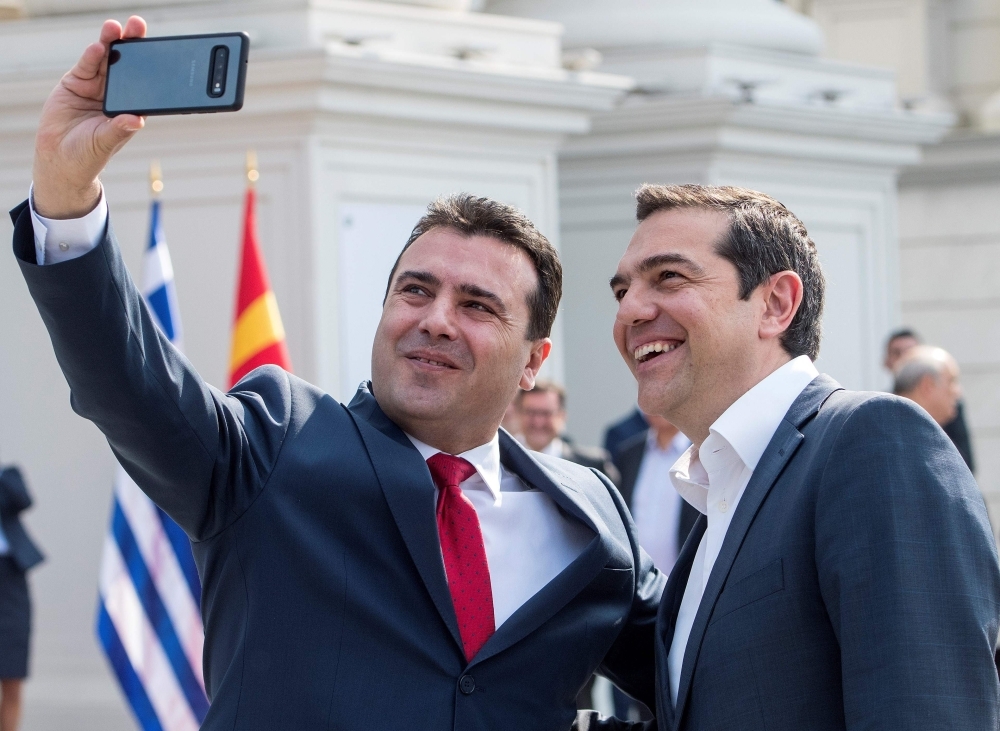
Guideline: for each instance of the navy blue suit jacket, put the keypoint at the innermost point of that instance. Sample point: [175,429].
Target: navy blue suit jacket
[857,587]
[14,500]
[325,600]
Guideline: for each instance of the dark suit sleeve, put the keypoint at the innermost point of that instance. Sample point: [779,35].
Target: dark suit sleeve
[14,495]
[200,454]
[909,575]
[631,663]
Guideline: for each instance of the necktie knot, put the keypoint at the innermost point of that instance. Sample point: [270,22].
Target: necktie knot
[449,471]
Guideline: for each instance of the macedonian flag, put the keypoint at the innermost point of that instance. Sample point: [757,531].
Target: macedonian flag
[258,336]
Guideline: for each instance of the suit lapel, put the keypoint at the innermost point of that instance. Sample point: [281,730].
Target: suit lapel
[409,491]
[574,578]
[783,445]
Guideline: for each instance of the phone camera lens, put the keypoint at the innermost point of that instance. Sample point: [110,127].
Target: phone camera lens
[217,76]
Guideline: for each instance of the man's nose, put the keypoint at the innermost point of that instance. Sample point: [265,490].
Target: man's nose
[635,307]
[439,319]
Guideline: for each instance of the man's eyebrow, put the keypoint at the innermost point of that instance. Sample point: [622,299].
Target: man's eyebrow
[659,260]
[425,277]
[474,290]
[655,262]
[618,280]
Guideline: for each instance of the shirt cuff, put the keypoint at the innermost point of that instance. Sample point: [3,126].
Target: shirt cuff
[58,240]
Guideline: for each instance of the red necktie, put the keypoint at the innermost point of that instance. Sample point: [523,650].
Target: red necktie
[464,553]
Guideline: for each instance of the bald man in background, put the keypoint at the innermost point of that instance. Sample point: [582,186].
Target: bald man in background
[928,376]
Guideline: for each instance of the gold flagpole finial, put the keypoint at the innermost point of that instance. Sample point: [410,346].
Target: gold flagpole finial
[155,178]
[252,173]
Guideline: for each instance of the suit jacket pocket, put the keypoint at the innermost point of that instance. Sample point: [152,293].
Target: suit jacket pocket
[758,585]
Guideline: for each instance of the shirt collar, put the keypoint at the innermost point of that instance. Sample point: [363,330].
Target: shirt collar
[485,458]
[750,423]
[746,428]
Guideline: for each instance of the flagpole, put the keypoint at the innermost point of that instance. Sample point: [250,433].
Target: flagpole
[155,178]
[253,175]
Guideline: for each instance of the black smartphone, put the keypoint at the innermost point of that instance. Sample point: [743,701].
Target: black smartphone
[177,74]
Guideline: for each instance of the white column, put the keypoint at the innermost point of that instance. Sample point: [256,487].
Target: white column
[731,92]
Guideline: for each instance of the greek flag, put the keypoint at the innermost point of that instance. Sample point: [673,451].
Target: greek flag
[148,618]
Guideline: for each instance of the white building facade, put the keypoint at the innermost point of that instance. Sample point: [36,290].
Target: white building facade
[361,112]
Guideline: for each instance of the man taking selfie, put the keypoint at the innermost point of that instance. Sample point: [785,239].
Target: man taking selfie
[396,563]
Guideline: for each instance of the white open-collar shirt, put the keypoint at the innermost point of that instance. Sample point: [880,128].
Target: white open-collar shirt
[713,477]
[529,540]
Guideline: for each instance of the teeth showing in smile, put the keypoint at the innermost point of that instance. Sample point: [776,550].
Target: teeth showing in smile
[433,362]
[647,351]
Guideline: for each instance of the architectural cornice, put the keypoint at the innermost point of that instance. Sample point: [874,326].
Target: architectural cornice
[963,157]
[648,126]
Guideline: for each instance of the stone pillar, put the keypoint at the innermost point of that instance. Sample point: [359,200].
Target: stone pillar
[730,92]
[361,112]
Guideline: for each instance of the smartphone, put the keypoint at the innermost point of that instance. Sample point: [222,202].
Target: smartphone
[177,74]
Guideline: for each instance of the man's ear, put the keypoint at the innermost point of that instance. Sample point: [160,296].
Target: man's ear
[540,350]
[782,296]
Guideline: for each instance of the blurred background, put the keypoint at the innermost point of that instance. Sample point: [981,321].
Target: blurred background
[876,121]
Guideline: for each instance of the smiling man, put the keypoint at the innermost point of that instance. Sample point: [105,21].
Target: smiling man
[843,574]
[396,563]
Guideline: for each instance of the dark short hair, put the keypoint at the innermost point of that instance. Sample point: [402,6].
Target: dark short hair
[473,216]
[543,386]
[903,332]
[764,238]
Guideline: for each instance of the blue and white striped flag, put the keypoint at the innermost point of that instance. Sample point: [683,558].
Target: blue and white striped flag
[148,618]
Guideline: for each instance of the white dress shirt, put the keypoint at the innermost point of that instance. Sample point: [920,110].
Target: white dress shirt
[529,541]
[714,477]
[656,506]
[58,240]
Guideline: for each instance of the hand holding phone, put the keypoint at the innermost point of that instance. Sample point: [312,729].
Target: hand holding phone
[177,74]
[75,140]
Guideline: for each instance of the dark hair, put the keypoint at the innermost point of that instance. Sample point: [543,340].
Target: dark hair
[543,386]
[764,238]
[474,216]
[903,332]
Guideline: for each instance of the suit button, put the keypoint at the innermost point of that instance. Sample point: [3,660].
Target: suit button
[467,684]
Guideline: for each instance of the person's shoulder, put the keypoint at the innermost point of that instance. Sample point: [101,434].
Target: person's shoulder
[279,395]
[875,410]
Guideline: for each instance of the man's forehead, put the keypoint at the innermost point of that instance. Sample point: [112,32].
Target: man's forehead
[458,250]
[684,236]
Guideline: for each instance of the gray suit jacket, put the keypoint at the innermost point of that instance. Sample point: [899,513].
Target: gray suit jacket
[858,586]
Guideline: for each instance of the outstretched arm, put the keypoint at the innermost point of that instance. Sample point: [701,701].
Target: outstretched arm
[198,453]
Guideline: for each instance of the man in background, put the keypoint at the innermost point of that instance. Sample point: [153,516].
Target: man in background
[621,431]
[900,343]
[542,416]
[18,554]
[928,376]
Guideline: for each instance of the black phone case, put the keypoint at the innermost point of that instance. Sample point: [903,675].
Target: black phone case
[159,76]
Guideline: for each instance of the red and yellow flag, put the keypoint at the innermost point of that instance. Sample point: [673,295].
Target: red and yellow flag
[258,335]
